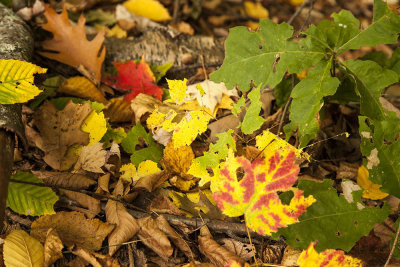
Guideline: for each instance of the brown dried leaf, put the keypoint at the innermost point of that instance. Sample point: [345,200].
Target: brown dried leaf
[177,160]
[73,47]
[81,87]
[152,181]
[52,248]
[103,183]
[65,179]
[73,228]
[217,254]
[92,158]
[164,226]
[95,259]
[154,238]
[118,110]
[144,103]
[127,226]
[59,130]
[92,204]
[243,250]
[164,205]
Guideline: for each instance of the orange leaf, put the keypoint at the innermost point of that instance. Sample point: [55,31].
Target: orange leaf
[72,45]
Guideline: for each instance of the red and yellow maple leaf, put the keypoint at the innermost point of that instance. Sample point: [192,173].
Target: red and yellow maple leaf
[255,195]
[327,258]
[72,46]
[136,77]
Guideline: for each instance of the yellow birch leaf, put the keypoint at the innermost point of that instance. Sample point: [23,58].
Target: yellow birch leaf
[151,9]
[327,258]
[371,190]
[20,249]
[16,81]
[145,168]
[96,126]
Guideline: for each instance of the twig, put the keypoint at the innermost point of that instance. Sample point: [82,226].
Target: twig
[393,247]
[312,2]
[177,4]
[298,11]
[285,109]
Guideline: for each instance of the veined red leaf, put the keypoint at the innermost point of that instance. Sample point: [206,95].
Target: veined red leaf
[255,195]
[136,77]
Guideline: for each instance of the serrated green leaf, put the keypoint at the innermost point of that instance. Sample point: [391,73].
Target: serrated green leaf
[383,30]
[213,156]
[380,146]
[252,121]
[308,98]
[20,249]
[334,222]
[394,61]
[237,108]
[153,151]
[263,56]
[16,81]
[370,79]
[29,199]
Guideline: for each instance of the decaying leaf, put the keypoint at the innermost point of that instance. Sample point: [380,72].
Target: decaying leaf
[92,204]
[73,228]
[329,258]
[126,225]
[81,87]
[255,195]
[95,259]
[66,179]
[52,248]
[71,45]
[154,238]
[217,254]
[21,249]
[119,110]
[59,130]
[177,160]
[92,158]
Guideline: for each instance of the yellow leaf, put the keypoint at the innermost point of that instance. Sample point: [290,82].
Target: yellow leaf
[255,10]
[145,168]
[151,9]
[16,81]
[81,87]
[117,32]
[177,160]
[20,249]
[193,124]
[96,126]
[177,91]
[296,2]
[371,190]
[327,258]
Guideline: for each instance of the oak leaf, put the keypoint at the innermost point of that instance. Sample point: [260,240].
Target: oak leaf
[72,45]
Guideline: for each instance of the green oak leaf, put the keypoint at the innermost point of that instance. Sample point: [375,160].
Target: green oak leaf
[332,220]
[307,100]
[153,151]
[30,199]
[370,79]
[380,147]
[252,121]
[263,57]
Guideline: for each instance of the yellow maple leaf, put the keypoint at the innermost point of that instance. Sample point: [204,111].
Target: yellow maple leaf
[327,258]
[96,126]
[371,190]
[145,168]
[193,124]
[177,91]
[151,9]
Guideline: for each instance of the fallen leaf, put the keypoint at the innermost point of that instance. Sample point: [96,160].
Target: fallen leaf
[95,259]
[73,228]
[65,179]
[255,10]
[177,160]
[143,104]
[126,225]
[217,254]
[119,110]
[135,77]
[371,190]
[116,32]
[154,238]
[83,88]
[72,45]
[184,27]
[20,249]
[151,9]
[92,204]
[242,250]
[164,205]
[145,168]
[151,182]
[329,258]
[96,126]
[103,182]
[92,158]
[52,248]
[59,130]
[27,13]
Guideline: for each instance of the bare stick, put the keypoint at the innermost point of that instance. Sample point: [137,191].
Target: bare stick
[298,11]
[393,247]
